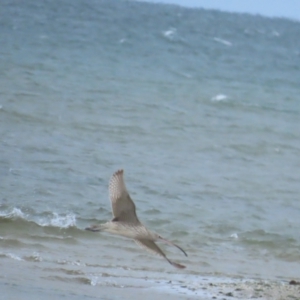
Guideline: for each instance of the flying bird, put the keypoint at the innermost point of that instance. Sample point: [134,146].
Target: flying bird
[126,223]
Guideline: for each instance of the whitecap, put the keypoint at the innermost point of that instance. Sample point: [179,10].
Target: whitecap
[94,280]
[170,33]
[224,42]
[219,97]
[13,256]
[61,221]
[15,213]
[35,256]
[275,33]
[234,236]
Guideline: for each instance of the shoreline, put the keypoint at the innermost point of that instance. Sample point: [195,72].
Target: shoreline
[22,281]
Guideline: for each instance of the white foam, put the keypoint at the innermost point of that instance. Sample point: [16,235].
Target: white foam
[224,42]
[61,221]
[275,33]
[170,33]
[13,256]
[36,256]
[94,280]
[15,212]
[219,97]
[234,236]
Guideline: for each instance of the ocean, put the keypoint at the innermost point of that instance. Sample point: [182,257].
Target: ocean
[199,107]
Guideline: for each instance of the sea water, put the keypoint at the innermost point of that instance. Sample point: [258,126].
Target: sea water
[199,107]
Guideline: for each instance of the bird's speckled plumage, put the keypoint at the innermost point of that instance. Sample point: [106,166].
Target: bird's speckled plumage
[125,221]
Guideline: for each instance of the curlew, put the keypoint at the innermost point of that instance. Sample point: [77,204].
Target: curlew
[126,223]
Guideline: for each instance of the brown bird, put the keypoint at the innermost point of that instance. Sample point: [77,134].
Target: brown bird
[126,223]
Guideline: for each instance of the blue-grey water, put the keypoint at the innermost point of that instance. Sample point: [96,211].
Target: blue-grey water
[202,110]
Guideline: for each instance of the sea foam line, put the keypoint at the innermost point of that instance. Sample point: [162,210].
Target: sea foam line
[219,97]
[65,221]
[15,213]
[53,219]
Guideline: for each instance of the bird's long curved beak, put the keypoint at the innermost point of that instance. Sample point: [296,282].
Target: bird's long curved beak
[94,228]
[170,243]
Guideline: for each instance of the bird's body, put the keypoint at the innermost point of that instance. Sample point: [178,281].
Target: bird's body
[127,229]
[126,223]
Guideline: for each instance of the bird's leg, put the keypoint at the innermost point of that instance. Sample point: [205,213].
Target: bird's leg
[170,243]
[176,265]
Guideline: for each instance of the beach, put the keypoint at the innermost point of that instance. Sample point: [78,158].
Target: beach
[109,286]
[201,110]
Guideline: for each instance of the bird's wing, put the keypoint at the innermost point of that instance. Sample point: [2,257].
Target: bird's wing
[123,207]
[150,246]
[154,249]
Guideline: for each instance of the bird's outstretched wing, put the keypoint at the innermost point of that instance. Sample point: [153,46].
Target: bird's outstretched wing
[123,207]
[154,249]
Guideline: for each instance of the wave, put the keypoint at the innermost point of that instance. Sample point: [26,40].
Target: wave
[15,213]
[170,33]
[61,221]
[221,41]
[11,255]
[51,219]
[219,98]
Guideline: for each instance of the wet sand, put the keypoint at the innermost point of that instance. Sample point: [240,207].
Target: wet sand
[19,280]
[247,289]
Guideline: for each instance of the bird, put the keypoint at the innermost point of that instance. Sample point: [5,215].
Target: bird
[126,223]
